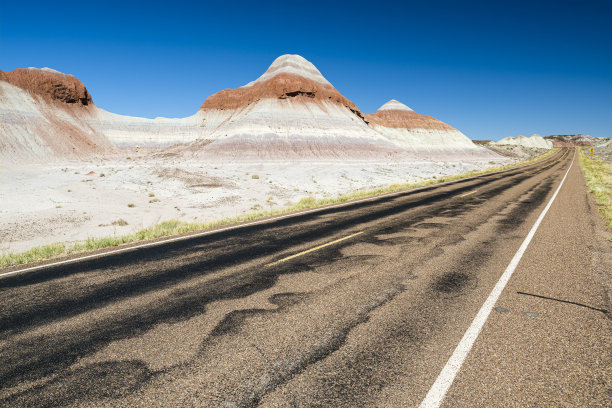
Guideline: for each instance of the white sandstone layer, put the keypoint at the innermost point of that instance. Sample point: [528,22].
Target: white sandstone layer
[125,131]
[432,141]
[290,128]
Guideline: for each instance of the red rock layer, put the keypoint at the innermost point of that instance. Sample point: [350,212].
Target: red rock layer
[405,119]
[51,86]
[281,86]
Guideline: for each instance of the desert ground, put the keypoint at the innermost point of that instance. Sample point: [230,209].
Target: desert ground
[74,200]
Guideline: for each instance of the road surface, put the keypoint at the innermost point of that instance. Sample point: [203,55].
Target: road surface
[359,305]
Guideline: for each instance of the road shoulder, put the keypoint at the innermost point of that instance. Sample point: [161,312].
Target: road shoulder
[547,342]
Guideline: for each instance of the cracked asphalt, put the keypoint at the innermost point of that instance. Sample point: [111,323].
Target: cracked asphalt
[256,317]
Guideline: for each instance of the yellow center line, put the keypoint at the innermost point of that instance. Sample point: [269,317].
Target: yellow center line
[313,249]
[467,194]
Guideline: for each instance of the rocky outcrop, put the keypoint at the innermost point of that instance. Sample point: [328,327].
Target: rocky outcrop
[49,84]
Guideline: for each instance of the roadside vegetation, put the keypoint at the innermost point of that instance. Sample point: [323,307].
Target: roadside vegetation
[177,227]
[598,175]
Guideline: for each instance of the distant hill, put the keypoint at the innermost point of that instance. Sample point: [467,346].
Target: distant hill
[534,141]
[572,140]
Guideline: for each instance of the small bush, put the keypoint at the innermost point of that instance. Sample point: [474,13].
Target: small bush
[101,174]
[155,200]
[151,195]
[120,222]
[306,202]
[131,205]
[255,176]
[58,206]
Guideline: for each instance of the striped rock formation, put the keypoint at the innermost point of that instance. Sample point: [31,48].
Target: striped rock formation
[421,134]
[291,111]
[44,116]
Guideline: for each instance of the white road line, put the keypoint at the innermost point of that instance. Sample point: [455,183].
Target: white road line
[199,234]
[438,390]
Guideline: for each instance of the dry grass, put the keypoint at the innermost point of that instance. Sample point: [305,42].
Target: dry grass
[598,175]
[176,227]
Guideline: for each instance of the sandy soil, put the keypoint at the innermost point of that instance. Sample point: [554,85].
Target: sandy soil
[46,203]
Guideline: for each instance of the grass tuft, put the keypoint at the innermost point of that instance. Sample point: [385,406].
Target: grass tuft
[176,227]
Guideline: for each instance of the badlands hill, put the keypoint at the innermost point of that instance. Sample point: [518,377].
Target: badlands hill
[289,112]
[44,115]
[420,133]
[534,141]
[571,140]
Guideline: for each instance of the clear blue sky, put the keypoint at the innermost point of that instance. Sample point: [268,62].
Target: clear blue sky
[492,69]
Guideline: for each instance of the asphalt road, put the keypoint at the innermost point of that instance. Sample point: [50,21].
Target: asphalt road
[360,305]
